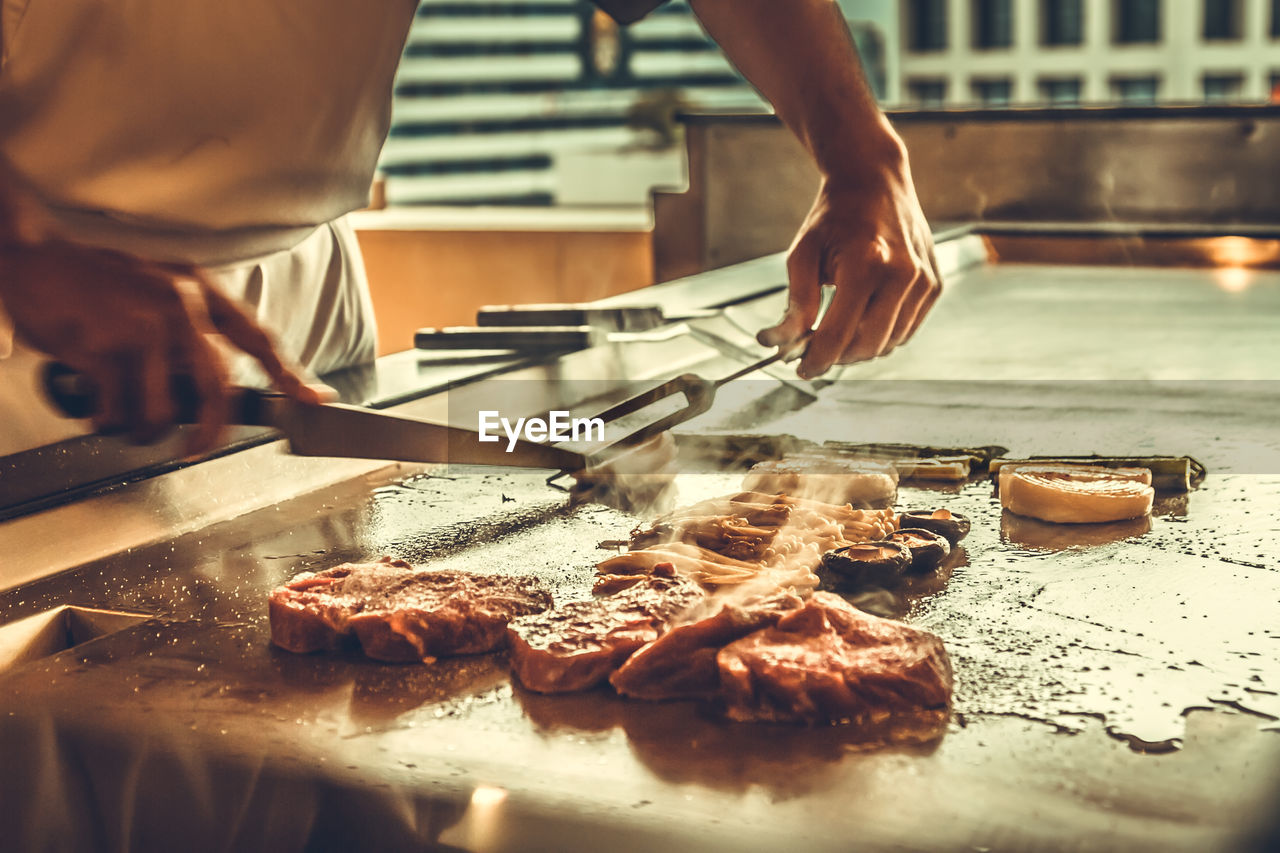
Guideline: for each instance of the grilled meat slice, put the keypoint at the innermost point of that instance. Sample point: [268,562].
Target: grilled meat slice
[681,664]
[400,613]
[830,662]
[577,646]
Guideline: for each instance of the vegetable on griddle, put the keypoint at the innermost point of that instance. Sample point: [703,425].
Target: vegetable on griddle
[928,549]
[868,563]
[1168,473]
[1076,494]
[952,526]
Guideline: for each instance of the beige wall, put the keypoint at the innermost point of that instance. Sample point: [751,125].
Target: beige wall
[433,277]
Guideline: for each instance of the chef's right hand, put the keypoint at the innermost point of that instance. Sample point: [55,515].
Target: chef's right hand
[129,325]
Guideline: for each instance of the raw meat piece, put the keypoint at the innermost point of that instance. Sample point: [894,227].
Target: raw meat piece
[681,664]
[577,646]
[399,613]
[829,662]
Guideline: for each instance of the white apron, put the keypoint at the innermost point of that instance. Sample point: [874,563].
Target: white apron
[234,134]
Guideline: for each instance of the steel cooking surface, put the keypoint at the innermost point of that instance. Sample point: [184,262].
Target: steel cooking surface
[1095,639]
[1121,689]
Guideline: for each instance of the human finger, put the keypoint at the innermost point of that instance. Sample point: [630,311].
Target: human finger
[930,298]
[854,283]
[196,357]
[804,292]
[916,298]
[245,333]
[208,374]
[107,375]
[155,399]
[873,334]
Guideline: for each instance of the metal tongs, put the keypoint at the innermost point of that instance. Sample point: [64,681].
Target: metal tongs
[699,394]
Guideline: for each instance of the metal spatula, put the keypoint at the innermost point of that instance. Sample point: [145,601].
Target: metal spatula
[333,429]
[337,430]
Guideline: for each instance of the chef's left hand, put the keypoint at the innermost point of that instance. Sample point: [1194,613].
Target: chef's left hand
[867,236]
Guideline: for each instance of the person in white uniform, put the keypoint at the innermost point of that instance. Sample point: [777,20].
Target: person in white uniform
[174,176]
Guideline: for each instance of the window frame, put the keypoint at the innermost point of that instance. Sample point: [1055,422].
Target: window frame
[915,28]
[1119,18]
[978,81]
[981,14]
[1117,81]
[1235,23]
[1236,77]
[943,84]
[1047,19]
[1043,84]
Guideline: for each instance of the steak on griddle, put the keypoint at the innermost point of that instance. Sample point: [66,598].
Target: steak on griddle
[576,646]
[830,662]
[400,613]
[681,664]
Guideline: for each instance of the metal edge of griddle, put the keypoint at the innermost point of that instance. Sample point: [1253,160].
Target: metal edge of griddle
[958,247]
[1145,230]
[1012,114]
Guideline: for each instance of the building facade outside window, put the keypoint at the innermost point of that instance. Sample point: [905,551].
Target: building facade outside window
[993,92]
[928,93]
[1219,88]
[1137,21]
[1140,90]
[992,24]
[1061,91]
[1222,20]
[927,24]
[1062,22]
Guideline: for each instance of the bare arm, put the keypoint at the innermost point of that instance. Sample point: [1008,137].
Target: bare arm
[865,233]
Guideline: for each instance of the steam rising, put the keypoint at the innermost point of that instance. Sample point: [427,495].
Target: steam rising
[756,543]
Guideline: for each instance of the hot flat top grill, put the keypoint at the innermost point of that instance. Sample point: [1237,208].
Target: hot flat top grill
[1056,644]
[1115,690]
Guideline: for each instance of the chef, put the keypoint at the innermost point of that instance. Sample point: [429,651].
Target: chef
[175,176]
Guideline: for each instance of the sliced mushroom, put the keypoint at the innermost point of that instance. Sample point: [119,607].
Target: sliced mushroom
[950,525]
[867,563]
[928,549]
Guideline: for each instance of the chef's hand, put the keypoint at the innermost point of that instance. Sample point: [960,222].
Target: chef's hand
[867,236]
[129,325]
[865,233]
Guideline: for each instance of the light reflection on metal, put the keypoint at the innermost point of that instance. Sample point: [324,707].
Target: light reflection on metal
[1242,252]
[1234,279]
[481,826]
[487,798]
[1235,258]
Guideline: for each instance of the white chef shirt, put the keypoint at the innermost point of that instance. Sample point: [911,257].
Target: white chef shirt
[234,134]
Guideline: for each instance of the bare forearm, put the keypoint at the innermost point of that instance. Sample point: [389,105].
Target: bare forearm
[866,234]
[801,58]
